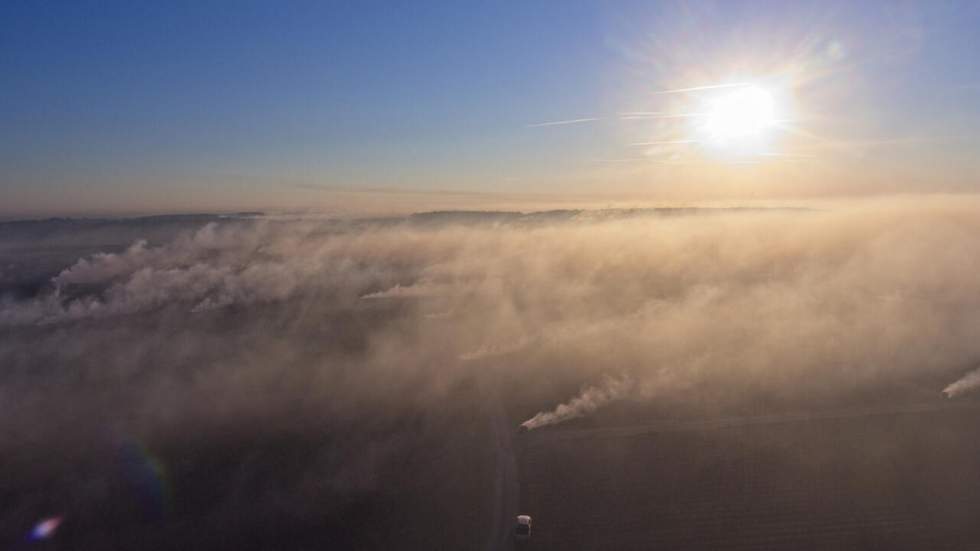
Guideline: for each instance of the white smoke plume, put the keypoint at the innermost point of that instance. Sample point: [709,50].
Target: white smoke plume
[590,399]
[968,383]
[495,350]
[420,290]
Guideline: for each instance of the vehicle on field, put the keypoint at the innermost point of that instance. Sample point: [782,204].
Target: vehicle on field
[522,530]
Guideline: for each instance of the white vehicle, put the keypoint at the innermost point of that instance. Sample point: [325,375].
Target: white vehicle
[522,530]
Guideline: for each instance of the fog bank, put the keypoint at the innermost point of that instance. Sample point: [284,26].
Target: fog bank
[362,338]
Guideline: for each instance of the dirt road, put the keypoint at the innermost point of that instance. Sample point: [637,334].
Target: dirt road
[506,484]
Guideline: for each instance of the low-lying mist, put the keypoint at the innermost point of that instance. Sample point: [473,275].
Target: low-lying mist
[269,325]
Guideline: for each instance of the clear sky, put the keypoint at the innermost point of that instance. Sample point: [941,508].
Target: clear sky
[128,106]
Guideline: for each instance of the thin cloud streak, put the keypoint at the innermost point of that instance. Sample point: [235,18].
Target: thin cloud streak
[665,142]
[644,116]
[561,123]
[700,88]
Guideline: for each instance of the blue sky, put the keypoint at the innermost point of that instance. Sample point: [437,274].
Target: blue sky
[211,105]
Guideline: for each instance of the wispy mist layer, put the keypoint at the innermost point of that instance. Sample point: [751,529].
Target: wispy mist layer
[311,362]
[629,303]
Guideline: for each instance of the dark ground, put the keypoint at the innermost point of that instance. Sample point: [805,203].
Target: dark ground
[887,477]
[420,483]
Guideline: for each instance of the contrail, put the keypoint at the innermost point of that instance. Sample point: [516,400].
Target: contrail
[667,142]
[699,88]
[561,123]
[640,115]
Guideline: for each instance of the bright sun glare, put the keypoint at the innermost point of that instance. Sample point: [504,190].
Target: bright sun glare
[739,118]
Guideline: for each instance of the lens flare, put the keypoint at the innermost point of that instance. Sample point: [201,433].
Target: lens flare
[45,528]
[148,475]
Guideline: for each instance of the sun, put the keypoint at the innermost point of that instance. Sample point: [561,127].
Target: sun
[739,119]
